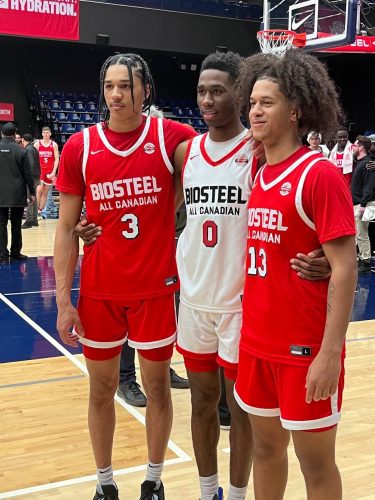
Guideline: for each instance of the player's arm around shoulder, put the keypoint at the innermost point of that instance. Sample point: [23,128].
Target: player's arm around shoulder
[65,261]
[324,371]
[178,164]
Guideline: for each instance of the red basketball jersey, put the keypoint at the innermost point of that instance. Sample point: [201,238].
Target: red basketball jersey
[131,195]
[294,207]
[46,156]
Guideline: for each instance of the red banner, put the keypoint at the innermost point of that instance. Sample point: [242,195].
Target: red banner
[6,112]
[362,45]
[40,18]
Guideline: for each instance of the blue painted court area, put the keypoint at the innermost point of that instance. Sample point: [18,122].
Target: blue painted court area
[30,289]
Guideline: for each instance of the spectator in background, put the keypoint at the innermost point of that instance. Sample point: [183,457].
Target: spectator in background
[33,157]
[15,176]
[342,154]
[18,139]
[49,161]
[314,139]
[363,193]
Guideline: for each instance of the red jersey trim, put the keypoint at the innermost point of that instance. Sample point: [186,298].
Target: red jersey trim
[221,160]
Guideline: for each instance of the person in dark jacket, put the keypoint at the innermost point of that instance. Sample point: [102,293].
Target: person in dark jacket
[363,194]
[15,176]
[33,156]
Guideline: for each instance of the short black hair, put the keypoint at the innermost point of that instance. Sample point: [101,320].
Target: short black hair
[229,62]
[134,62]
[27,137]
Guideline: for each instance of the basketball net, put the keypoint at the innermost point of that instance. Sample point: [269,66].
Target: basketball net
[279,41]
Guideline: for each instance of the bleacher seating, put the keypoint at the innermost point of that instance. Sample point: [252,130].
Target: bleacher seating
[70,112]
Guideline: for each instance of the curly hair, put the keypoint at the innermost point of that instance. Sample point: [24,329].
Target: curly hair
[134,63]
[364,141]
[229,62]
[304,81]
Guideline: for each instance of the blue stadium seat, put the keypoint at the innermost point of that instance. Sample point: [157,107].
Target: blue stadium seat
[79,107]
[54,105]
[79,127]
[67,128]
[74,117]
[187,112]
[86,118]
[61,117]
[66,106]
[91,107]
[177,111]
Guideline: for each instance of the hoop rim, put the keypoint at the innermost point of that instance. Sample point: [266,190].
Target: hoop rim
[298,40]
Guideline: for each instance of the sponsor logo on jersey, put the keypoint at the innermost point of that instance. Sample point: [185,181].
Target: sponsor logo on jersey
[149,148]
[242,159]
[96,152]
[4,4]
[124,188]
[285,188]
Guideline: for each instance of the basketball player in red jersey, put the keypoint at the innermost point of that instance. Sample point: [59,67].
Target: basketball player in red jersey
[49,161]
[291,371]
[123,169]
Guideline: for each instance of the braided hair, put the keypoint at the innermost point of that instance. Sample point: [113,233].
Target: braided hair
[134,63]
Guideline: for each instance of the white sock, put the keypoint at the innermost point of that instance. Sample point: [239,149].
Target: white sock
[209,486]
[237,493]
[105,476]
[154,473]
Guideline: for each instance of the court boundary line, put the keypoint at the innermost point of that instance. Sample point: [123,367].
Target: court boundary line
[182,456]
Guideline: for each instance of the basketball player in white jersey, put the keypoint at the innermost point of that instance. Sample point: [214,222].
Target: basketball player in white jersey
[49,161]
[217,170]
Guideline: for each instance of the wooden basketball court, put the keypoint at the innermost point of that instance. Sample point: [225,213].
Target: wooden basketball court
[45,450]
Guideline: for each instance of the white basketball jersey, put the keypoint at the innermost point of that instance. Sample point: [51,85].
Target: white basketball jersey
[211,251]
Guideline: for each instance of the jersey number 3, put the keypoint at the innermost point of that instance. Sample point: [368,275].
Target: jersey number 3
[257,263]
[133,228]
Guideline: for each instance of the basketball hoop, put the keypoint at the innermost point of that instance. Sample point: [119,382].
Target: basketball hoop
[279,41]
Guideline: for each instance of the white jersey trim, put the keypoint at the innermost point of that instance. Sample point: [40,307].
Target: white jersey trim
[162,146]
[100,345]
[298,199]
[260,412]
[286,172]
[153,345]
[130,150]
[86,146]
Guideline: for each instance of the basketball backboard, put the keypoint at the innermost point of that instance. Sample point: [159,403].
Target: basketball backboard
[326,23]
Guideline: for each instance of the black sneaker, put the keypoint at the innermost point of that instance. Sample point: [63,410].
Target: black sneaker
[19,257]
[224,422]
[178,382]
[219,495]
[131,393]
[148,491]
[364,266]
[110,492]
[27,225]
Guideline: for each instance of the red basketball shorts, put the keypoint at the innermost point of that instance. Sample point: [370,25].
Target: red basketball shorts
[268,389]
[148,325]
[43,177]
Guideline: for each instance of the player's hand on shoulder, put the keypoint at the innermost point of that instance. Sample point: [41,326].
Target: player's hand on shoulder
[370,165]
[87,232]
[313,266]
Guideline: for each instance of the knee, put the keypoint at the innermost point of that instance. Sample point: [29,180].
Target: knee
[158,392]
[102,390]
[204,402]
[314,469]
